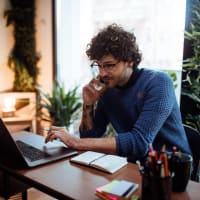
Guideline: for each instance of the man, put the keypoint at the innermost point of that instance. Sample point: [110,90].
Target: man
[139,103]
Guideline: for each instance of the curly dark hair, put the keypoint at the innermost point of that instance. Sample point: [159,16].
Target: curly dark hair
[116,41]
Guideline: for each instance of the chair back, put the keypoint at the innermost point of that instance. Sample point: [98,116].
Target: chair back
[193,137]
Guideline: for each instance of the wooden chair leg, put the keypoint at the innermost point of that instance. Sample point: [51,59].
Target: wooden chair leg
[198,173]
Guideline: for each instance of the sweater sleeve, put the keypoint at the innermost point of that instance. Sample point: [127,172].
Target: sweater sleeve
[159,99]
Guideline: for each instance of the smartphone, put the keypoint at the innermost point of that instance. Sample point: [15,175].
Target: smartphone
[99,83]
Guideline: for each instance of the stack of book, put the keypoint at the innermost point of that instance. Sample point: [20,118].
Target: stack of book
[117,190]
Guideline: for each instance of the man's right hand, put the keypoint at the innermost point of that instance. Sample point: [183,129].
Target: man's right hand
[92,91]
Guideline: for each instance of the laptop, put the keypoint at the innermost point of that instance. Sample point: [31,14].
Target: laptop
[29,149]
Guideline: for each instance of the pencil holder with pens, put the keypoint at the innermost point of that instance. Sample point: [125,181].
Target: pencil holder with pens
[164,172]
[156,188]
[156,176]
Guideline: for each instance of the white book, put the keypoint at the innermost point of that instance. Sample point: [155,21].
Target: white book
[101,161]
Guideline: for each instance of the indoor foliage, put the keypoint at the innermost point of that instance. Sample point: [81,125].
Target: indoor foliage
[23,57]
[191,73]
[60,108]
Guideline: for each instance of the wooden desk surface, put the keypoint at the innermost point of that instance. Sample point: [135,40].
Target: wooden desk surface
[66,180]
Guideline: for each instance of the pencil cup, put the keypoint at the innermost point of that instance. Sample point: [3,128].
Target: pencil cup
[156,188]
[181,165]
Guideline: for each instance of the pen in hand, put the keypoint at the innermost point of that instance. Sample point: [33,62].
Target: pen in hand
[51,131]
[48,130]
[141,168]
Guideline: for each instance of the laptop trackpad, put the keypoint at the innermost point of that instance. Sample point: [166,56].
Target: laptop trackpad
[54,149]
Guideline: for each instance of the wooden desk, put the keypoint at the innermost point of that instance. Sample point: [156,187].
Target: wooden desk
[66,181]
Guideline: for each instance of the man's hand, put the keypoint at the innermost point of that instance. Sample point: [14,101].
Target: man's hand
[61,133]
[106,145]
[92,91]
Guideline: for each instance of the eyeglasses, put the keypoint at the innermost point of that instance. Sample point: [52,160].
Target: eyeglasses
[107,66]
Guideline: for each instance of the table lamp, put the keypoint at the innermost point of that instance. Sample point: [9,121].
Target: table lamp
[8,109]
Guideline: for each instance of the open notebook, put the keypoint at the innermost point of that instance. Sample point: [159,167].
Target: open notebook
[101,161]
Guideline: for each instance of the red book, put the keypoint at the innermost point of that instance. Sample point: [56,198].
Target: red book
[104,196]
[117,190]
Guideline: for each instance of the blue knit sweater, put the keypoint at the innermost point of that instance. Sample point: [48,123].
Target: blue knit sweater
[143,112]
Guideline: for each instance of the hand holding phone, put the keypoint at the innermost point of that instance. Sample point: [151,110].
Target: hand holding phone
[97,83]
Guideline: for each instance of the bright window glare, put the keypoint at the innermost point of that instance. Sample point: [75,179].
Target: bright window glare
[157,24]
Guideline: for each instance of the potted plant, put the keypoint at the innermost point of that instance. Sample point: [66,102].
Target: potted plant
[59,108]
[190,95]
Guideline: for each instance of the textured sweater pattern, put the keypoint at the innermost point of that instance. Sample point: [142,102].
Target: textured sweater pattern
[142,113]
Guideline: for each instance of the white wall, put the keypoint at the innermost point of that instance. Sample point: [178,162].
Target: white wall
[43,43]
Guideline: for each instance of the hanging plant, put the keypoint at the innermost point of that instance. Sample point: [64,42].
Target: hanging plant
[23,57]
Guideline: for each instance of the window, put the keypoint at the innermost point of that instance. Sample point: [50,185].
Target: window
[158,26]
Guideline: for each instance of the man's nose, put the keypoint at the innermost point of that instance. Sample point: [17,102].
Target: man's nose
[102,71]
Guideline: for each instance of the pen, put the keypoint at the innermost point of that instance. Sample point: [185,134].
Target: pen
[141,168]
[165,161]
[173,156]
[162,171]
[49,129]
[46,129]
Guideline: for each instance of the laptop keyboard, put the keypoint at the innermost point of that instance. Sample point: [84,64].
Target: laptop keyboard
[31,152]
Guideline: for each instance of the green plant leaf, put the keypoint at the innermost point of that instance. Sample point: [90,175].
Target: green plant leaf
[191,68]
[62,107]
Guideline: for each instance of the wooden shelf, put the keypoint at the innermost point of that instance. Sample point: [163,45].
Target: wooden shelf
[25,116]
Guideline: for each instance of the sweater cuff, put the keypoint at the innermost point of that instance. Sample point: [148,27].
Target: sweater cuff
[123,146]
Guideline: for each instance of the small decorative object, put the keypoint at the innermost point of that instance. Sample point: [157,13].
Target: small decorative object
[9,107]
